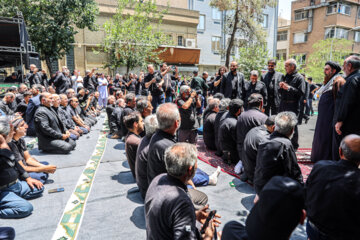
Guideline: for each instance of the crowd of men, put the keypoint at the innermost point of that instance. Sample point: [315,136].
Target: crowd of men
[251,124]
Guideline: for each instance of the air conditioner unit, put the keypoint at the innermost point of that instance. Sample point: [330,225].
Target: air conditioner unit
[190,43]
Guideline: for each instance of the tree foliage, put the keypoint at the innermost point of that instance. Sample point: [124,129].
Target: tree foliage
[325,50]
[52,24]
[253,57]
[133,35]
[243,19]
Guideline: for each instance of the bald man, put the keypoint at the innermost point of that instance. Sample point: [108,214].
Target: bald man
[333,194]
[233,83]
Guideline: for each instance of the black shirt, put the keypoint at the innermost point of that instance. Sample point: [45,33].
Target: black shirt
[209,130]
[332,199]
[141,165]
[154,88]
[10,169]
[312,88]
[159,142]
[188,116]
[18,148]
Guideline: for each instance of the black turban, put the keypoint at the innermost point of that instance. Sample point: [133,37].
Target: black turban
[334,65]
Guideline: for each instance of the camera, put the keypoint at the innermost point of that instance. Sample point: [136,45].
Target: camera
[173,68]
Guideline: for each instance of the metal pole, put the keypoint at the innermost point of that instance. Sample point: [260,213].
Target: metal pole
[21,60]
[276,17]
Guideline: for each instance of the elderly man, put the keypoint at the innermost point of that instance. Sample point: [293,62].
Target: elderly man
[332,194]
[5,103]
[51,132]
[75,116]
[292,89]
[227,132]
[255,86]
[168,117]
[233,83]
[188,102]
[135,125]
[15,183]
[20,96]
[168,208]
[347,119]
[209,123]
[249,119]
[272,80]
[150,125]
[276,157]
[253,139]
[144,107]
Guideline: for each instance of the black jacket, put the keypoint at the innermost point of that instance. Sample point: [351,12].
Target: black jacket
[127,111]
[141,165]
[290,99]
[332,197]
[276,157]
[220,116]
[10,169]
[62,83]
[349,104]
[48,126]
[231,87]
[65,117]
[227,136]
[272,81]
[115,120]
[258,87]
[209,130]
[169,212]
[159,142]
[5,108]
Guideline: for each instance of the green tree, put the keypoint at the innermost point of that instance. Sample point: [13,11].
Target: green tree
[253,57]
[133,35]
[325,50]
[52,24]
[243,18]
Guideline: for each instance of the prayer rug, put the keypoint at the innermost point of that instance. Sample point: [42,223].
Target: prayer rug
[209,157]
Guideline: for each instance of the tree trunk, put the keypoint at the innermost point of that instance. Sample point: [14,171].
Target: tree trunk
[48,64]
[232,36]
[127,69]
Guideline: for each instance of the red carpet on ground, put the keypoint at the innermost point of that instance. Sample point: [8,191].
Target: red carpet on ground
[209,157]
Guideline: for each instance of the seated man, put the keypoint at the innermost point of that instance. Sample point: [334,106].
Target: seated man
[168,208]
[227,132]
[253,139]
[249,119]
[150,125]
[110,106]
[5,103]
[144,107]
[69,123]
[209,121]
[22,106]
[220,116]
[115,119]
[33,105]
[333,193]
[276,157]
[134,123]
[72,111]
[20,95]
[50,130]
[15,183]
[130,101]
[275,216]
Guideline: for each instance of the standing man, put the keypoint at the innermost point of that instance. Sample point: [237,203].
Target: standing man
[291,90]
[154,82]
[347,121]
[169,87]
[309,111]
[233,83]
[255,86]
[272,80]
[303,102]
[62,81]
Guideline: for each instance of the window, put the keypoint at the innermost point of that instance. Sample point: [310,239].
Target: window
[215,44]
[300,15]
[300,37]
[216,14]
[281,54]
[357,37]
[265,21]
[339,8]
[201,25]
[180,41]
[300,58]
[282,36]
[336,32]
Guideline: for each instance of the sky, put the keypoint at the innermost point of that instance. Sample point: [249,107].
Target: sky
[285,8]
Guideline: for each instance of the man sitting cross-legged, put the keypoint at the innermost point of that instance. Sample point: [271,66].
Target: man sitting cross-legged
[73,112]
[51,132]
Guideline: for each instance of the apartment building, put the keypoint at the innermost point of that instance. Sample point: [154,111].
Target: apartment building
[314,20]
[179,23]
[283,35]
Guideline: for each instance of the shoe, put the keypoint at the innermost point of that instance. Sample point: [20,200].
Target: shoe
[244,177]
[306,120]
[213,178]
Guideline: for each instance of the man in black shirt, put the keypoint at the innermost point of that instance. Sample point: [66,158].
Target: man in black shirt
[312,89]
[115,119]
[255,86]
[291,90]
[90,81]
[333,194]
[169,87]
[154,83]
[130,101]
[22,106]
[63,81]
[220,116]
[233,83]
[15,183]
[272,80]
[187,103]
[209,121]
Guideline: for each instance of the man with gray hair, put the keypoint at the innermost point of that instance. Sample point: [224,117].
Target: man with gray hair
[130,101]
[255,86]
[347,119]
[209,123]
[276,156]
[168,208]
[144,106]
[291,90]
[5,103]
[150,125]
[333,194]
[63,81]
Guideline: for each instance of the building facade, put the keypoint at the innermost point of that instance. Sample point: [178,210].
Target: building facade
[314,20]
[179,23]
[283,34]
